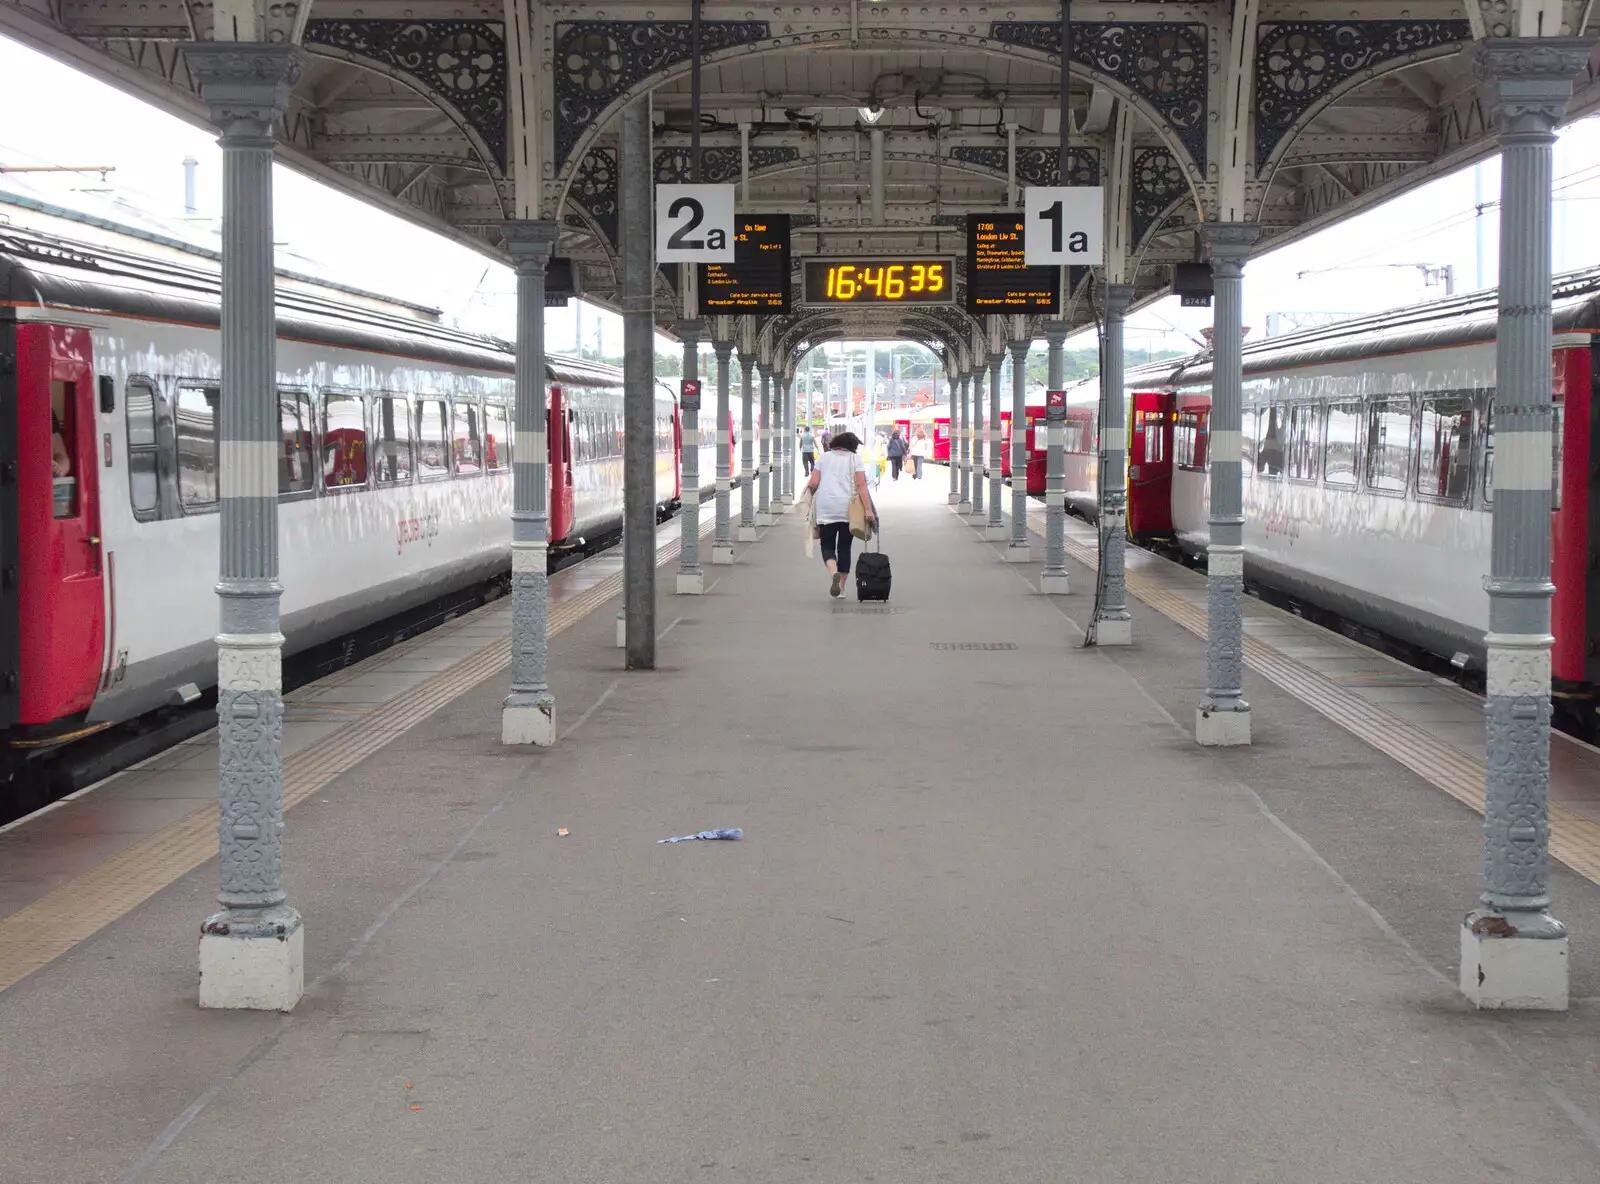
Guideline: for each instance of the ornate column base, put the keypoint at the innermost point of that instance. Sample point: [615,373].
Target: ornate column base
[963,506]
[1018,552]
[1221,729]
[529,719]
[747,534]
[763,518]
[691,583]
[1503,970]
[253,960]
[1055,583]
[954,499]
[721,554]
[996,532]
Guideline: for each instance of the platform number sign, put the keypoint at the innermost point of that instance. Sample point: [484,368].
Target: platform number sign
[1064,225]
[1055,406]
[694,223]
[689,395]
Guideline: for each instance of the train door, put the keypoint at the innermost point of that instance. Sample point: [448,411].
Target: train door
[1150,464]
[61,597]
[559,443]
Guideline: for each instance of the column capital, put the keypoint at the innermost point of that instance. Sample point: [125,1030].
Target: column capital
[529,242]
[1117,298]
[245,85]
[1057,332]
[997,359]
[689,330]
[723,350]
[1527,81]
[1229,240]
[1019,351]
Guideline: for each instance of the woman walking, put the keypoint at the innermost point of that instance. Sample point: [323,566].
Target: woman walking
[838,477]
[921,450]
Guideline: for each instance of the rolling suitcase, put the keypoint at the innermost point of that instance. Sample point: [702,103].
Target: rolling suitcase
[872,571]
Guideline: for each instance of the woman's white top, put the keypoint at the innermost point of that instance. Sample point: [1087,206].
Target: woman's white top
[921,447]
[837,479]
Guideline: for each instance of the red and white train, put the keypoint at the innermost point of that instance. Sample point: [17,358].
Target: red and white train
[1368,451]
[394,470]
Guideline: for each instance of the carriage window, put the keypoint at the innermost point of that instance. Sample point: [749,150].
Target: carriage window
[1190,440]
[1444,457]
[1305,441]
[468,444]
[1151,424]
[1389,445]
[433,448]
[391,423]
[1270,429]
[139,407]
[64,447]
[1555,456]
[1073,437]
[295,471]
[197,447]
[344,442]
[496,439]
[1344,444]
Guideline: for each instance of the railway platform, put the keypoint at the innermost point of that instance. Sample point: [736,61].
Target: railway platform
[993,917]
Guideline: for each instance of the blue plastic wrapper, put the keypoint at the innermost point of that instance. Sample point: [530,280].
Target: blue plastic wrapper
[735,833]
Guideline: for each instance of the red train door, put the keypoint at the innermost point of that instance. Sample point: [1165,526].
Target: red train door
[61,599]
[1150,464]
[558,427]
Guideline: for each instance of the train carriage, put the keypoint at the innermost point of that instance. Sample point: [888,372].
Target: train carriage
[1368,453]
[394,469]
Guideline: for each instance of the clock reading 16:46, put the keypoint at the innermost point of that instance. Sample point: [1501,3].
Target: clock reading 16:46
[878,280]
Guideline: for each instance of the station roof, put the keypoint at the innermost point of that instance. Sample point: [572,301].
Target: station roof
[406,105]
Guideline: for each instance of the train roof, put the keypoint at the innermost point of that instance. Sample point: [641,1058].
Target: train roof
[1453,321]
[41,269]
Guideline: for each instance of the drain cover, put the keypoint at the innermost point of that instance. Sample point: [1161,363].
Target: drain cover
[973,645]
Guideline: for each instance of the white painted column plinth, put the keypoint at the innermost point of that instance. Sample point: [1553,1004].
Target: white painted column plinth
[1514,973]
[1212,729]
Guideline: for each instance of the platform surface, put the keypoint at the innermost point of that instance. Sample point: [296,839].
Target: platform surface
[995,918]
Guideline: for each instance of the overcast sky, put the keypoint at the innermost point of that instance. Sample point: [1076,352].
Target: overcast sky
[1342,270]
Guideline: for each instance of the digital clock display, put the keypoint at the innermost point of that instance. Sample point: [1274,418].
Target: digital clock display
[873,280]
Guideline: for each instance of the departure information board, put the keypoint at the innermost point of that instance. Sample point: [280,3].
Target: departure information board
[756,283]
[880,279]
[998,281]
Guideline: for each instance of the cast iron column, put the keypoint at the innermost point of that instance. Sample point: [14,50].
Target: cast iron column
[638,387]
[722,539]
[954,380]
[252,952]
[764,468]
[975,445]
[1054,579]
[691,576]
[747,450]
[1223,716]
[1112,623]
[995,530]
[1018,550]
[960,443]
[1513,952]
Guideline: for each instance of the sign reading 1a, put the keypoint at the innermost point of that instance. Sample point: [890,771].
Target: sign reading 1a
[1065,225]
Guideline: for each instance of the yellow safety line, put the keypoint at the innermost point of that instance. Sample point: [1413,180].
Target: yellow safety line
[38,933]
[1574,839]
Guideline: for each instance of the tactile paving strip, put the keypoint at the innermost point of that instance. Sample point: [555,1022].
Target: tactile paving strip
[40,932]
[1574,840]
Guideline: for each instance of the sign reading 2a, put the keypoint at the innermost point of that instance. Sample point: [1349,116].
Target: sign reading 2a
[1064,226]
[694,223]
